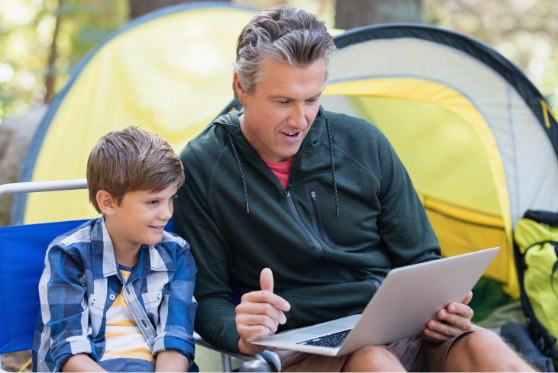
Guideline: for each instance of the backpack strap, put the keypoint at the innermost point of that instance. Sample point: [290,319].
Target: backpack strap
[554,268]
[545,217]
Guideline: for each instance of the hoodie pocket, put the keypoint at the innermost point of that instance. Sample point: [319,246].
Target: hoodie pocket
[318,224]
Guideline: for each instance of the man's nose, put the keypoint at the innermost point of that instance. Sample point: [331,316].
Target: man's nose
[297,119]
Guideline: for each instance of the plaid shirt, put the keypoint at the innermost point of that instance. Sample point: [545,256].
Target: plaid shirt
[80,281]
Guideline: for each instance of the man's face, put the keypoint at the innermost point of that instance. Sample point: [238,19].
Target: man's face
[140,218]
[280,110]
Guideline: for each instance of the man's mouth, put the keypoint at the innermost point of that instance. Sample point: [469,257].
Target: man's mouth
[158,227]
[292,135]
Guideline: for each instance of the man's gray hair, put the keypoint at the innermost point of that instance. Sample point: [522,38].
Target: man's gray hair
[280,34]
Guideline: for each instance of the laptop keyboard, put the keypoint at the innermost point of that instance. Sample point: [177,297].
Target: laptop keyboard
[331,340]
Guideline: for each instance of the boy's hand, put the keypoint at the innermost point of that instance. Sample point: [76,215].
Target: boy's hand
[258,314]
[455,319]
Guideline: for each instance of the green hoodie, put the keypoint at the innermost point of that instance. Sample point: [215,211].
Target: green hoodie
[325,266]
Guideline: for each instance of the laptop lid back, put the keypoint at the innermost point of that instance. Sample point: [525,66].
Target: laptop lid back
[411,296]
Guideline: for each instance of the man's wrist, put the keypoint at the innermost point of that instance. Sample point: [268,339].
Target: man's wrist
[247,348]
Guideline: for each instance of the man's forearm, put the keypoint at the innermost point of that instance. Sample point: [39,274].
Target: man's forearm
[81,363]
[171,361]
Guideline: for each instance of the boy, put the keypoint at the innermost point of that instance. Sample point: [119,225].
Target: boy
[117,292]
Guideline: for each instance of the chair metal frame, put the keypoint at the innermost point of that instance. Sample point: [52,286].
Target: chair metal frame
[263,362]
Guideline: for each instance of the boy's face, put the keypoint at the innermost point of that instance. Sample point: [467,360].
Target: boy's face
[140,218]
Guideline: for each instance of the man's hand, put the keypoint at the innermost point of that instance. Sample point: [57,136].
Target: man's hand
[258,314]
[453,320]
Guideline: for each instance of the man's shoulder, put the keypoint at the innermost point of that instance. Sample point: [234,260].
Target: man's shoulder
[353,130]
[209,143]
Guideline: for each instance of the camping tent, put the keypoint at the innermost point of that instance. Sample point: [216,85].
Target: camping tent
[478,139]
[168,72]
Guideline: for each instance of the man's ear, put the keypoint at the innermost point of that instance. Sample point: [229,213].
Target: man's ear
[106,202]
[239,91]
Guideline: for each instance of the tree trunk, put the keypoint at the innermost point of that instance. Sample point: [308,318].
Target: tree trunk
[356,13]
[50,76]
[140,7]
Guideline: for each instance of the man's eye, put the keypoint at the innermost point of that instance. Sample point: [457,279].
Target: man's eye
[283,102]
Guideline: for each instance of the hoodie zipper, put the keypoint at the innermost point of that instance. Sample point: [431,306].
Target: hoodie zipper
[317,245]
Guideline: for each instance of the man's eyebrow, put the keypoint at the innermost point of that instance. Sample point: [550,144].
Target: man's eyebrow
[293,99]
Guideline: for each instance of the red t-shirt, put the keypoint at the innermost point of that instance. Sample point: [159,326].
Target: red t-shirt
[281,170]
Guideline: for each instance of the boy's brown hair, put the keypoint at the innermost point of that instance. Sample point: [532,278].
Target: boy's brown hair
[132,160]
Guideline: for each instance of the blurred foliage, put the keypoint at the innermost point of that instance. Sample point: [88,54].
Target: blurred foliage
[524,31]
[26,37]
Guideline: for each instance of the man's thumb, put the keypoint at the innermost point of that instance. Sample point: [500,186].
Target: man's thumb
[266,279]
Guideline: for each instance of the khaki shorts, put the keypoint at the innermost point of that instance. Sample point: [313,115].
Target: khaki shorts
[415,354]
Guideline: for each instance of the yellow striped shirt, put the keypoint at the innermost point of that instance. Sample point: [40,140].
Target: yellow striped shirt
[123,337]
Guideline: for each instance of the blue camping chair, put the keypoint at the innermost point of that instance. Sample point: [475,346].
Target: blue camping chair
[22,253]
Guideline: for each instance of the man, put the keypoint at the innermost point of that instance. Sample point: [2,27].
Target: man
[305,211]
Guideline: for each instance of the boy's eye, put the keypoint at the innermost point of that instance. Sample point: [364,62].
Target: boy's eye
[153,203]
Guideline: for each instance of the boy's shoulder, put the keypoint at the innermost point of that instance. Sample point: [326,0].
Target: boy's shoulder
[172,238]
[80,236]
[171,249]
[173,244]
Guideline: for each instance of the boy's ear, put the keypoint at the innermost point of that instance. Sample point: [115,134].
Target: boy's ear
[106,202]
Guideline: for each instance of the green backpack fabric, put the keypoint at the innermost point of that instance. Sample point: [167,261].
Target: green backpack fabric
[536,246]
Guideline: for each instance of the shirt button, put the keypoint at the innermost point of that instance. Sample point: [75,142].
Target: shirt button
[112,297]
[159,295]
[93,300]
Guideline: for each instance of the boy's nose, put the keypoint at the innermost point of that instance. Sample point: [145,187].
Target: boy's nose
[166,212]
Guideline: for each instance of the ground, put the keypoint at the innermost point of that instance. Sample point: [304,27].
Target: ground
[14,361]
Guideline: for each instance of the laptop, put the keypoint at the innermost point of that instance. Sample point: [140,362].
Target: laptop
[407,299]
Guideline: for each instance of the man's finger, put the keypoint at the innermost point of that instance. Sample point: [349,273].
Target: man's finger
[252,332]
[255,320]
[266,297]
[443,329]
[468,298]
[247,308]
[460,309]
[459,320]
[433,336]
[266,280]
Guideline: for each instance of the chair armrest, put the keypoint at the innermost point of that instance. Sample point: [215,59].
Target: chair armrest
[270,359]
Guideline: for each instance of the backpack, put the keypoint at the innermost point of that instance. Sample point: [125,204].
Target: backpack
[536,257]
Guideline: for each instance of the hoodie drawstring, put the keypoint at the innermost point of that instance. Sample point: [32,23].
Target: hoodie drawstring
[241,172]
[332,166]
[332,169]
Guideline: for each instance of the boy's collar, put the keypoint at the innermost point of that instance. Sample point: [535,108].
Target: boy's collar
[152,258]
